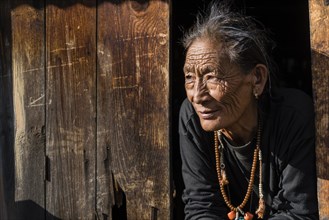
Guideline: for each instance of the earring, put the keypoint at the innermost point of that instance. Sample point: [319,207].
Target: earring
[256,95]
[255,92]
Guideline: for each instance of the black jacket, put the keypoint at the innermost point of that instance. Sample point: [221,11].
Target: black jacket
[289,174]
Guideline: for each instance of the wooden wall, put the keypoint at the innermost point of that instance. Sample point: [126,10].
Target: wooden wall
[84,109]
[319,29]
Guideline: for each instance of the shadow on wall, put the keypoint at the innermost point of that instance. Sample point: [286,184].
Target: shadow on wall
[6,115]
[3,211]
[29,210]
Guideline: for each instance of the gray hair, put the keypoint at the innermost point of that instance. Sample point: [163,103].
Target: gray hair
[240,37]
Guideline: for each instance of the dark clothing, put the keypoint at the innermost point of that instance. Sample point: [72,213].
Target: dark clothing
[289,175]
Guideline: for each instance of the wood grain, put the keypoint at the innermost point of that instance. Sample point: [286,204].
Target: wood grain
[66,96]
[29,107]
[71,113]
[319,29]
[133,76]
[105,187]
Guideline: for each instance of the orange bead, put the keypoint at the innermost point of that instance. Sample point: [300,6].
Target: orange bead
[248,216]
[231,215]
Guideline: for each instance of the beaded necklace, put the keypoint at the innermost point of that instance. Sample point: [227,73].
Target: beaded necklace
[222,178]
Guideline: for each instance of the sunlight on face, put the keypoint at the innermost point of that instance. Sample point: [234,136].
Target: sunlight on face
[220,92]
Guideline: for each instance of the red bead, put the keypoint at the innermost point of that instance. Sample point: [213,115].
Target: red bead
[231,215]
[248,216]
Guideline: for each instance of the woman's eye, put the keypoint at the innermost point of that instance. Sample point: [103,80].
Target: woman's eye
[189,78]
[212,78]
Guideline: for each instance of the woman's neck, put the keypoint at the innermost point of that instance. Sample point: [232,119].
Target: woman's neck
[244,130]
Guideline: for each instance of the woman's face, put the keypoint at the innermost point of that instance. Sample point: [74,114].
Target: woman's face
[221,94]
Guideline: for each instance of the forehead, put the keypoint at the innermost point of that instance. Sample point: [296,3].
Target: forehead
[202,51]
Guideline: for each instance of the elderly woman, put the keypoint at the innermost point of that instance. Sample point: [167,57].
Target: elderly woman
[247,149]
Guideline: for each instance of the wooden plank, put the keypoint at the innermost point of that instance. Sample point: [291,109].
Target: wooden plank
[71,113]
[133,60]
[319,29]
[105,187]
[27,26]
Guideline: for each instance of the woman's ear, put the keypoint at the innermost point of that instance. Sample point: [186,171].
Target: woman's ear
[260,75]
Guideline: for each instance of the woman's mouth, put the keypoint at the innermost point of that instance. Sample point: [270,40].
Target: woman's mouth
[207,114]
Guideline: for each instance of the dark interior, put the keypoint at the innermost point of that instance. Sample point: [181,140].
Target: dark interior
[288,25]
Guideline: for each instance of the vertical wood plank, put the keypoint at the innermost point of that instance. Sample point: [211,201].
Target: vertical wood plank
[105,187]
[27,22]
[71,113]
[133,56]
[319,28]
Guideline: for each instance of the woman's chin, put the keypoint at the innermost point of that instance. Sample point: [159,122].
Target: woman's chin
[210,125]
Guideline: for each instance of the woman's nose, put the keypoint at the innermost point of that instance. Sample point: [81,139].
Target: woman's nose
[200,93]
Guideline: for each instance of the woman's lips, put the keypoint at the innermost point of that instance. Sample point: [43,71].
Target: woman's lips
[207,114]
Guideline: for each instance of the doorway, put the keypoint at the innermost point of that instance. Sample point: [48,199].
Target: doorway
[288,26]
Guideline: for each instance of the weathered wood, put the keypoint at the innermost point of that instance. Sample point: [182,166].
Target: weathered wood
[105,186]
[29,107]
[71,112]
[55,108]
[133,76]
[319,29]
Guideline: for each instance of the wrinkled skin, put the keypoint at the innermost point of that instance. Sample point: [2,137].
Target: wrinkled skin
[221,93]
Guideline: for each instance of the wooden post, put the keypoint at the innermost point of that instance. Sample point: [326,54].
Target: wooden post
[319,29]
[133,93]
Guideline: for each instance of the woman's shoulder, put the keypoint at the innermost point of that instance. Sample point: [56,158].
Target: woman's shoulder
[189,121]
[289,122]
[186,111]
[290,92]
[186,115]
[291,111]
[290,99]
